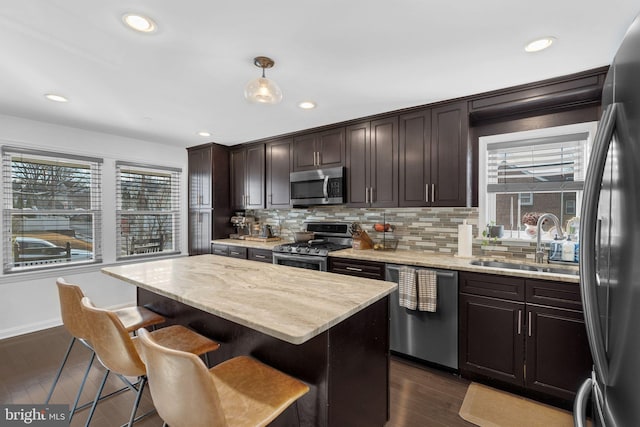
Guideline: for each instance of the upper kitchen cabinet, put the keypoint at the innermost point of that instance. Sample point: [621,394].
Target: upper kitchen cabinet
[279,165]
[248,177]
[208,182]
[372,163]
[434,156]
[323,149]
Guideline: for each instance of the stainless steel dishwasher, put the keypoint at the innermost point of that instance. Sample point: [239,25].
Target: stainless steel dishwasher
[432,337]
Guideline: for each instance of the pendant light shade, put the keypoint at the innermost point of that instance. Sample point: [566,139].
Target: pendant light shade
[263,90]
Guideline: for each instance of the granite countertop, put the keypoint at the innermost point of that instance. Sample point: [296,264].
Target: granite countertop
[292,304]
[251,243]
[451,262]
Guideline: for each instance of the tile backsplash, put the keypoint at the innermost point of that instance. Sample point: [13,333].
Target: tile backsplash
[433,230]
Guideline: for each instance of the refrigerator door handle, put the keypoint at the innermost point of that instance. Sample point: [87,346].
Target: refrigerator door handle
[580,404]
[588,273]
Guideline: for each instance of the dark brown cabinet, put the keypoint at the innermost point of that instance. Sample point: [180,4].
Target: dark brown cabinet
[359,268]
[279,165]
[323,149]
[208,181]
[260,255]
[372,163]
[434,156]
[248,177]
[525,332]
[242,252]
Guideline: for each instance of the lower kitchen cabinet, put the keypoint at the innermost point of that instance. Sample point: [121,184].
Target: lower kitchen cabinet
[260,255]
[356,267]
[523,332]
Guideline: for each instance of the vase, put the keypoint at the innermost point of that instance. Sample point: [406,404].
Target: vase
[531,230]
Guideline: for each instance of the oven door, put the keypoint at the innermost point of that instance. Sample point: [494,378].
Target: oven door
[309,262]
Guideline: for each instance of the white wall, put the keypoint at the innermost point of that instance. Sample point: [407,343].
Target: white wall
[29,301]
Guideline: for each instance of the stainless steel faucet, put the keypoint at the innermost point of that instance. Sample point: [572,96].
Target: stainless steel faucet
[556,222]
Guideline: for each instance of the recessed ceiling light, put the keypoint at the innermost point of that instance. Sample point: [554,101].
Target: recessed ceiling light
[539,44]
[55,98]
[204,133]
[307,105]
[139,23]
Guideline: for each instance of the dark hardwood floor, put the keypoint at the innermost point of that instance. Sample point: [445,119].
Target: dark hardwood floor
[420,396]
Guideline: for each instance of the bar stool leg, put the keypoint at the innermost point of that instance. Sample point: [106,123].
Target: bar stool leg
[143,382]
[64,361]
[84,380]
[97,399]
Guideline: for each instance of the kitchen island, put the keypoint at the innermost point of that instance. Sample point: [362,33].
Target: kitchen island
[329,330]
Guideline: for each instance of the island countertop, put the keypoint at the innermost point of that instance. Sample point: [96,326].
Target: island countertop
[291,304]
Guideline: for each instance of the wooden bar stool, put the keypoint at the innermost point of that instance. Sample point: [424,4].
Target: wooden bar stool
[240,392]
[74,322]
[118,351]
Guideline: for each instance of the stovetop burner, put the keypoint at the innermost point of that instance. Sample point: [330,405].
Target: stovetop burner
[329,237]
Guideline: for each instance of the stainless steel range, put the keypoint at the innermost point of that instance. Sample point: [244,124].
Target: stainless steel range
[312,254]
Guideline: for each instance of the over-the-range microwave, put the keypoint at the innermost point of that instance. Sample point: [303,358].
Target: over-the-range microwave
[317,187]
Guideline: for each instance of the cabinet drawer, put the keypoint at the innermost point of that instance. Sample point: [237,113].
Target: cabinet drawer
[237,252]
[368,269]
[509,288]
[556,294]
[260,255]
[217,249]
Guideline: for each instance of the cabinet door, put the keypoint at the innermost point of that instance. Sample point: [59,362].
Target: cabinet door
[255,188]
[200,178]
[358,165]
[558,355]
[384,163]
[492,338]
[414,155]
[330,146]
[304,152]
[279,164]
[360,268]
[238,174]
[199,231]
[449,153]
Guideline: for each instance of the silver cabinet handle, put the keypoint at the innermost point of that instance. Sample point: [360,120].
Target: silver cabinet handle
[315,162]
[433,193]
[366,195]
[235,253]
[426,193]
[519,322]
[319,159]
[529,324]
[353,269]
[260,256]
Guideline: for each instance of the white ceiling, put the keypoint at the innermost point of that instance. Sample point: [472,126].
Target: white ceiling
[354,58]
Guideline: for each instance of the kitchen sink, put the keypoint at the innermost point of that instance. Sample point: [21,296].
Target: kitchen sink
[526,267]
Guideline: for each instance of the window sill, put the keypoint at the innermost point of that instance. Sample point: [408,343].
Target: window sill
[54,273]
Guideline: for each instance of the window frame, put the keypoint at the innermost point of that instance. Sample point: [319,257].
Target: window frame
[95,210]
[175,211]
[486,199]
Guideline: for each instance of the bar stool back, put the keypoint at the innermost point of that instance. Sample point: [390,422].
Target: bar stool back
[240,392]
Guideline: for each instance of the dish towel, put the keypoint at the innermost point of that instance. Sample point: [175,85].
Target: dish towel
[427,290]
[407,288]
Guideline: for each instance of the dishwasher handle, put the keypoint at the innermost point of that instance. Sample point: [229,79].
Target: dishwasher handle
[445,274]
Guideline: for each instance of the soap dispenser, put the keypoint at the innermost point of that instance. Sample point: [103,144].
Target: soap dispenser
[568,250]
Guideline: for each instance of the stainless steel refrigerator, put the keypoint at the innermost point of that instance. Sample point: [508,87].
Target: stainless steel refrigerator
[610,248]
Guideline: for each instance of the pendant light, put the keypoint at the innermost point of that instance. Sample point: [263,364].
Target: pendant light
[262,90]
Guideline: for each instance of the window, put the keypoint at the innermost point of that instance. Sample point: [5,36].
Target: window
[51,211]
[148,210]
[534,171]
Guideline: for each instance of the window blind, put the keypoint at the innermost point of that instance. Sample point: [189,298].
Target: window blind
[148,210]
[555,163]
[52,209]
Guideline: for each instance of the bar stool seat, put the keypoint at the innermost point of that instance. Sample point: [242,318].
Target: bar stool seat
[70,297]
[239,392]
[117,350]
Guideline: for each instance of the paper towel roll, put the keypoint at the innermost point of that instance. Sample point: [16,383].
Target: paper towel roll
[465,239]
